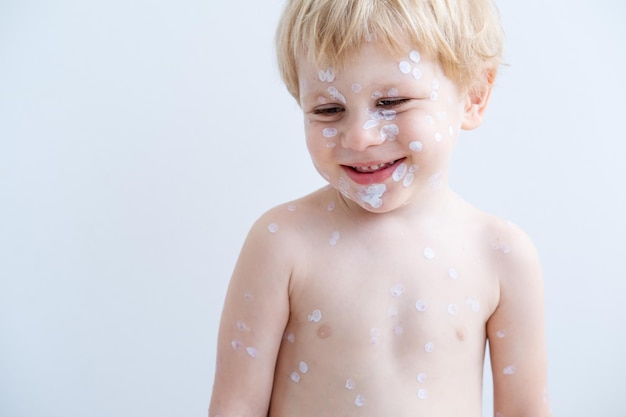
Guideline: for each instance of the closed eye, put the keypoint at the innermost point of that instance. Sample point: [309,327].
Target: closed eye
[392,102]
[328,110]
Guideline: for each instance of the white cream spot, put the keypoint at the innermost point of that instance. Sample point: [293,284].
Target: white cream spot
[453,309]
[242,326]
[434,95]
[413,168]
[434,84]
[374,336]
[422,394]
[376,95]
[389,132]
[429,253]
[417,73]
[331,145]
[453,273]
[501,334]
[397,290]
[331,206]
[405,67]
[291,338]
[252,352]
[329,132]
[304,368]
[359,401]
[429,347]
[393,92]
[236,344]
[328,75]
[416,146]
[400,172]
[438,137]
[356,87]
[372,195]
[509,370]
[272,227]
[292,207]
[334,238]
[475,306]
[415,56]
[392,312]
[350,384]
[295,377]
[421,378]
[336,95]
[435,181]
[322,100]
[370,124]
[420,306]
[315,316]
[343,185]
[408,180]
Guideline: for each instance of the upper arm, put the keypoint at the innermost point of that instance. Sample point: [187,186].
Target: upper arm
[256,310]
[516,330]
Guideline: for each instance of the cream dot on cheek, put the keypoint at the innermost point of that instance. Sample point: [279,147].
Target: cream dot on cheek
[329,132]
[272,227]
[509,370]
[416,146]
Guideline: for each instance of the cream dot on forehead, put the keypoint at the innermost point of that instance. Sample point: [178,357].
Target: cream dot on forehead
[336,95]
[415,56]
[429,347]
[356,87]
[376,94]
[405,67]
[393,92]
[327,75]
[421,378]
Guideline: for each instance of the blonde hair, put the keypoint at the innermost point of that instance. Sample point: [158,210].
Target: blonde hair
[464,36]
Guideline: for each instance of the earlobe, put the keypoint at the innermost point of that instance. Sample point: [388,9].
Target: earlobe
[476,101]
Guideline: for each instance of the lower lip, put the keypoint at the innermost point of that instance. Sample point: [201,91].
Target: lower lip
[368,178]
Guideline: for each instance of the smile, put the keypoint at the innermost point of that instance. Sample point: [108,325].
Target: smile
[371,173]
[373,168]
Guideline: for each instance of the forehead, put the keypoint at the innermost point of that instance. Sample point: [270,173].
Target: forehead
[372,65]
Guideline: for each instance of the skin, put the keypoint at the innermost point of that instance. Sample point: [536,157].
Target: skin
[357,302]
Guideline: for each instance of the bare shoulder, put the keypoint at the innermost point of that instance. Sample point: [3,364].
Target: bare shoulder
[510,250]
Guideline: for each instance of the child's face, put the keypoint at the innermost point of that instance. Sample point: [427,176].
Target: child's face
[382,130]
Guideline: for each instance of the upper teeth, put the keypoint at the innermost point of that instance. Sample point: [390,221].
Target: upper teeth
[373,168]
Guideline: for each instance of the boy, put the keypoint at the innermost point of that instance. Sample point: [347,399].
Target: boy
[375,295]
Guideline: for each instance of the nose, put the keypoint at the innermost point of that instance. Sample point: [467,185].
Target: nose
[359,133]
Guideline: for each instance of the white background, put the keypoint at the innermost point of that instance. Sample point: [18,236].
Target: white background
[139,140]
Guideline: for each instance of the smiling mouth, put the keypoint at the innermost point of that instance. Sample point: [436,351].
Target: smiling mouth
[369,169]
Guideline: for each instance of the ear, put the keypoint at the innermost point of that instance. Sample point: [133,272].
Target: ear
[476,100]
